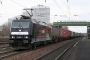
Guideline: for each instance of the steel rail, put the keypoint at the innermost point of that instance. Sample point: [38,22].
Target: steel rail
[40,58]
[65,51]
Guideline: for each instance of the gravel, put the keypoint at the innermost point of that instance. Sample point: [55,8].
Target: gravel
[4,45]
[31,55]
[4,39]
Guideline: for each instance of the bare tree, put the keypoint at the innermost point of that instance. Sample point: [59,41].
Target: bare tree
[5,29]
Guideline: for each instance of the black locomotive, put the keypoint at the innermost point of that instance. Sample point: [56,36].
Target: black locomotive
[26,33]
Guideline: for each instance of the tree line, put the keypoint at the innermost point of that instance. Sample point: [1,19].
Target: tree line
[5,29]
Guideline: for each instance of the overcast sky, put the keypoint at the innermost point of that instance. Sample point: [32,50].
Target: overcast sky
[66,10]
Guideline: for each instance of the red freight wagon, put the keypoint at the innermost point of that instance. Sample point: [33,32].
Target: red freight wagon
[66,33]
[61,33]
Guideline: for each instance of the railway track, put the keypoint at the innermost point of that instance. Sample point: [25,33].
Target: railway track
[3,42]
[7,54]
[4,45]
[6,51]
[58,53]
[12,52]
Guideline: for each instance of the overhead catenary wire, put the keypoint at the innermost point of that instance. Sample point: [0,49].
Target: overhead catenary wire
[18,3]
[7,6]
[10,8]
[61,9]
[21,5]
[45,3]
[0,1]
[67,6]
[69,9]
[1,8]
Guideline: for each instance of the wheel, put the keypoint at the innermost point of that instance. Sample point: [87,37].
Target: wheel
[35,45]
[45,43]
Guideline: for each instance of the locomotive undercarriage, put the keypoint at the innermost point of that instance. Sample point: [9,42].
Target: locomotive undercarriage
[23,43]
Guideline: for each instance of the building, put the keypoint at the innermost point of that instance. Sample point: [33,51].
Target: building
[40,13]
[10,20]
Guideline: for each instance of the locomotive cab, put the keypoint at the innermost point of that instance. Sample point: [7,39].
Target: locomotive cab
[21,33]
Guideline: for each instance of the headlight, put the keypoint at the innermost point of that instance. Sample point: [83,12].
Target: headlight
[13,36]
[26,36]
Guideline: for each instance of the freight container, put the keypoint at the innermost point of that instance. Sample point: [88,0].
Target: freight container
[66,33]
[69,34]
[55,31]
[61,33]
[72,34]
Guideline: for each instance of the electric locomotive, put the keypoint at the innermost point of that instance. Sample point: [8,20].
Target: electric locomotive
[26,33]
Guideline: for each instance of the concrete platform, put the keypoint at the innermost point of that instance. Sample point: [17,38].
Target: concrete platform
[80,51]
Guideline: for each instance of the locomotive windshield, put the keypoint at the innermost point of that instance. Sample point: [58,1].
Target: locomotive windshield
[20,25]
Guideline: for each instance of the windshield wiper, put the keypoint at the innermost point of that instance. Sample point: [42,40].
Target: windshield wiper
[20,26]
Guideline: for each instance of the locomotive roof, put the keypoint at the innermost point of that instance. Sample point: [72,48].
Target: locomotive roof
[21,20]
[38,22]
[32,20]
